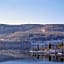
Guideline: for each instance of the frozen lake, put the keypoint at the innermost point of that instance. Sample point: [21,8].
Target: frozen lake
[24,61]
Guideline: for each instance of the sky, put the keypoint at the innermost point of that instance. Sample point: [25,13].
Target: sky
[31,12]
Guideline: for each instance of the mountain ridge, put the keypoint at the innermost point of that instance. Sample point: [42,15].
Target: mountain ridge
[23,32]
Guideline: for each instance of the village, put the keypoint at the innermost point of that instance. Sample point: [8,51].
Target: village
[51,49]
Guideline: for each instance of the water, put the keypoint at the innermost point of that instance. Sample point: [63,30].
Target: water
[30,62]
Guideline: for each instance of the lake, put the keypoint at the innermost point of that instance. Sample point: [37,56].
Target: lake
[26,61]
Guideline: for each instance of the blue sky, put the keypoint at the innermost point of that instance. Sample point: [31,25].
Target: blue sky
[31,11]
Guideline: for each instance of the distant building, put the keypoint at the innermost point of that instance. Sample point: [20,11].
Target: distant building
[35,42]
